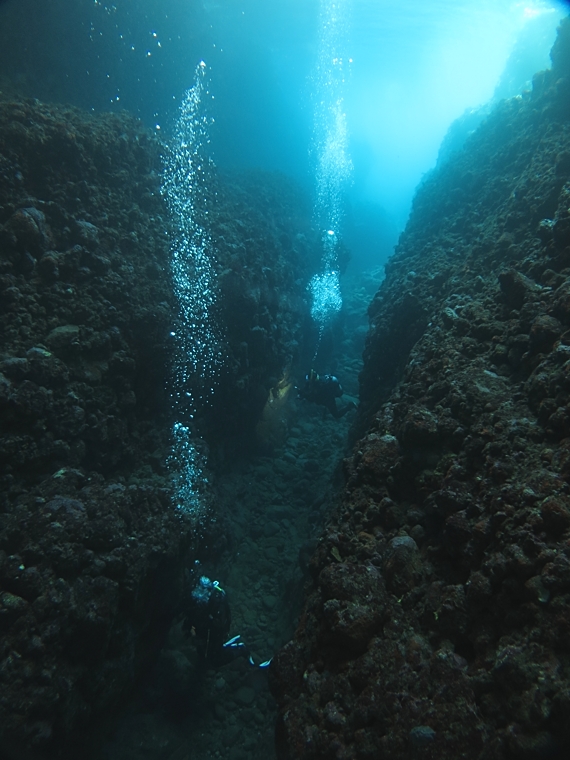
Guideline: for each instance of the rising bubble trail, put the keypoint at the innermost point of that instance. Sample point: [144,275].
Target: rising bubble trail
[198,345]
[330,149]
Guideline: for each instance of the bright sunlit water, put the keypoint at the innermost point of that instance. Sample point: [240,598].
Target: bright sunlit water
[351,98]
[416,66]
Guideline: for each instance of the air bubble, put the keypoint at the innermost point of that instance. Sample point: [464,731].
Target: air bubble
[333,163]
[198,353]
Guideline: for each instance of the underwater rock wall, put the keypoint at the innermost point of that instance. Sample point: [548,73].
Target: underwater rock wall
[438,621]
[91,546]
[266,252]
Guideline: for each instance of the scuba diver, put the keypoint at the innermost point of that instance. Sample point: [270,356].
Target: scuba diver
[208,617]
[324,390]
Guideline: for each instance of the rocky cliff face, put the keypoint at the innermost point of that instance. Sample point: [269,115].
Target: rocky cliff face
[438,621]
[266,252]
[91,546]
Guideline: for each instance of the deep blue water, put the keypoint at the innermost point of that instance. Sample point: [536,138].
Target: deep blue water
[385,84]
[416,66]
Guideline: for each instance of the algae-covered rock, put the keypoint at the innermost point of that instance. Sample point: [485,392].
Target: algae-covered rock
[459,474]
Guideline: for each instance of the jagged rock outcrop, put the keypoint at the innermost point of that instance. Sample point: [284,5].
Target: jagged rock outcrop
[438,621]
[90,545]
[266,251]
[92,548]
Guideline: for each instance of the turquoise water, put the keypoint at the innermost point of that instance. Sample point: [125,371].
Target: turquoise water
[352,99]
[416,67]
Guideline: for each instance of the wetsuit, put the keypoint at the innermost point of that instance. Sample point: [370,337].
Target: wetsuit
[208,618]
[324,390]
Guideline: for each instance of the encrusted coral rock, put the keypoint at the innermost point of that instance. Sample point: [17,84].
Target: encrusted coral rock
[460,471]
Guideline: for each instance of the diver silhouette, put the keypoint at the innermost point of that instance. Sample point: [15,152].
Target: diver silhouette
[324,391]
[207,616]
